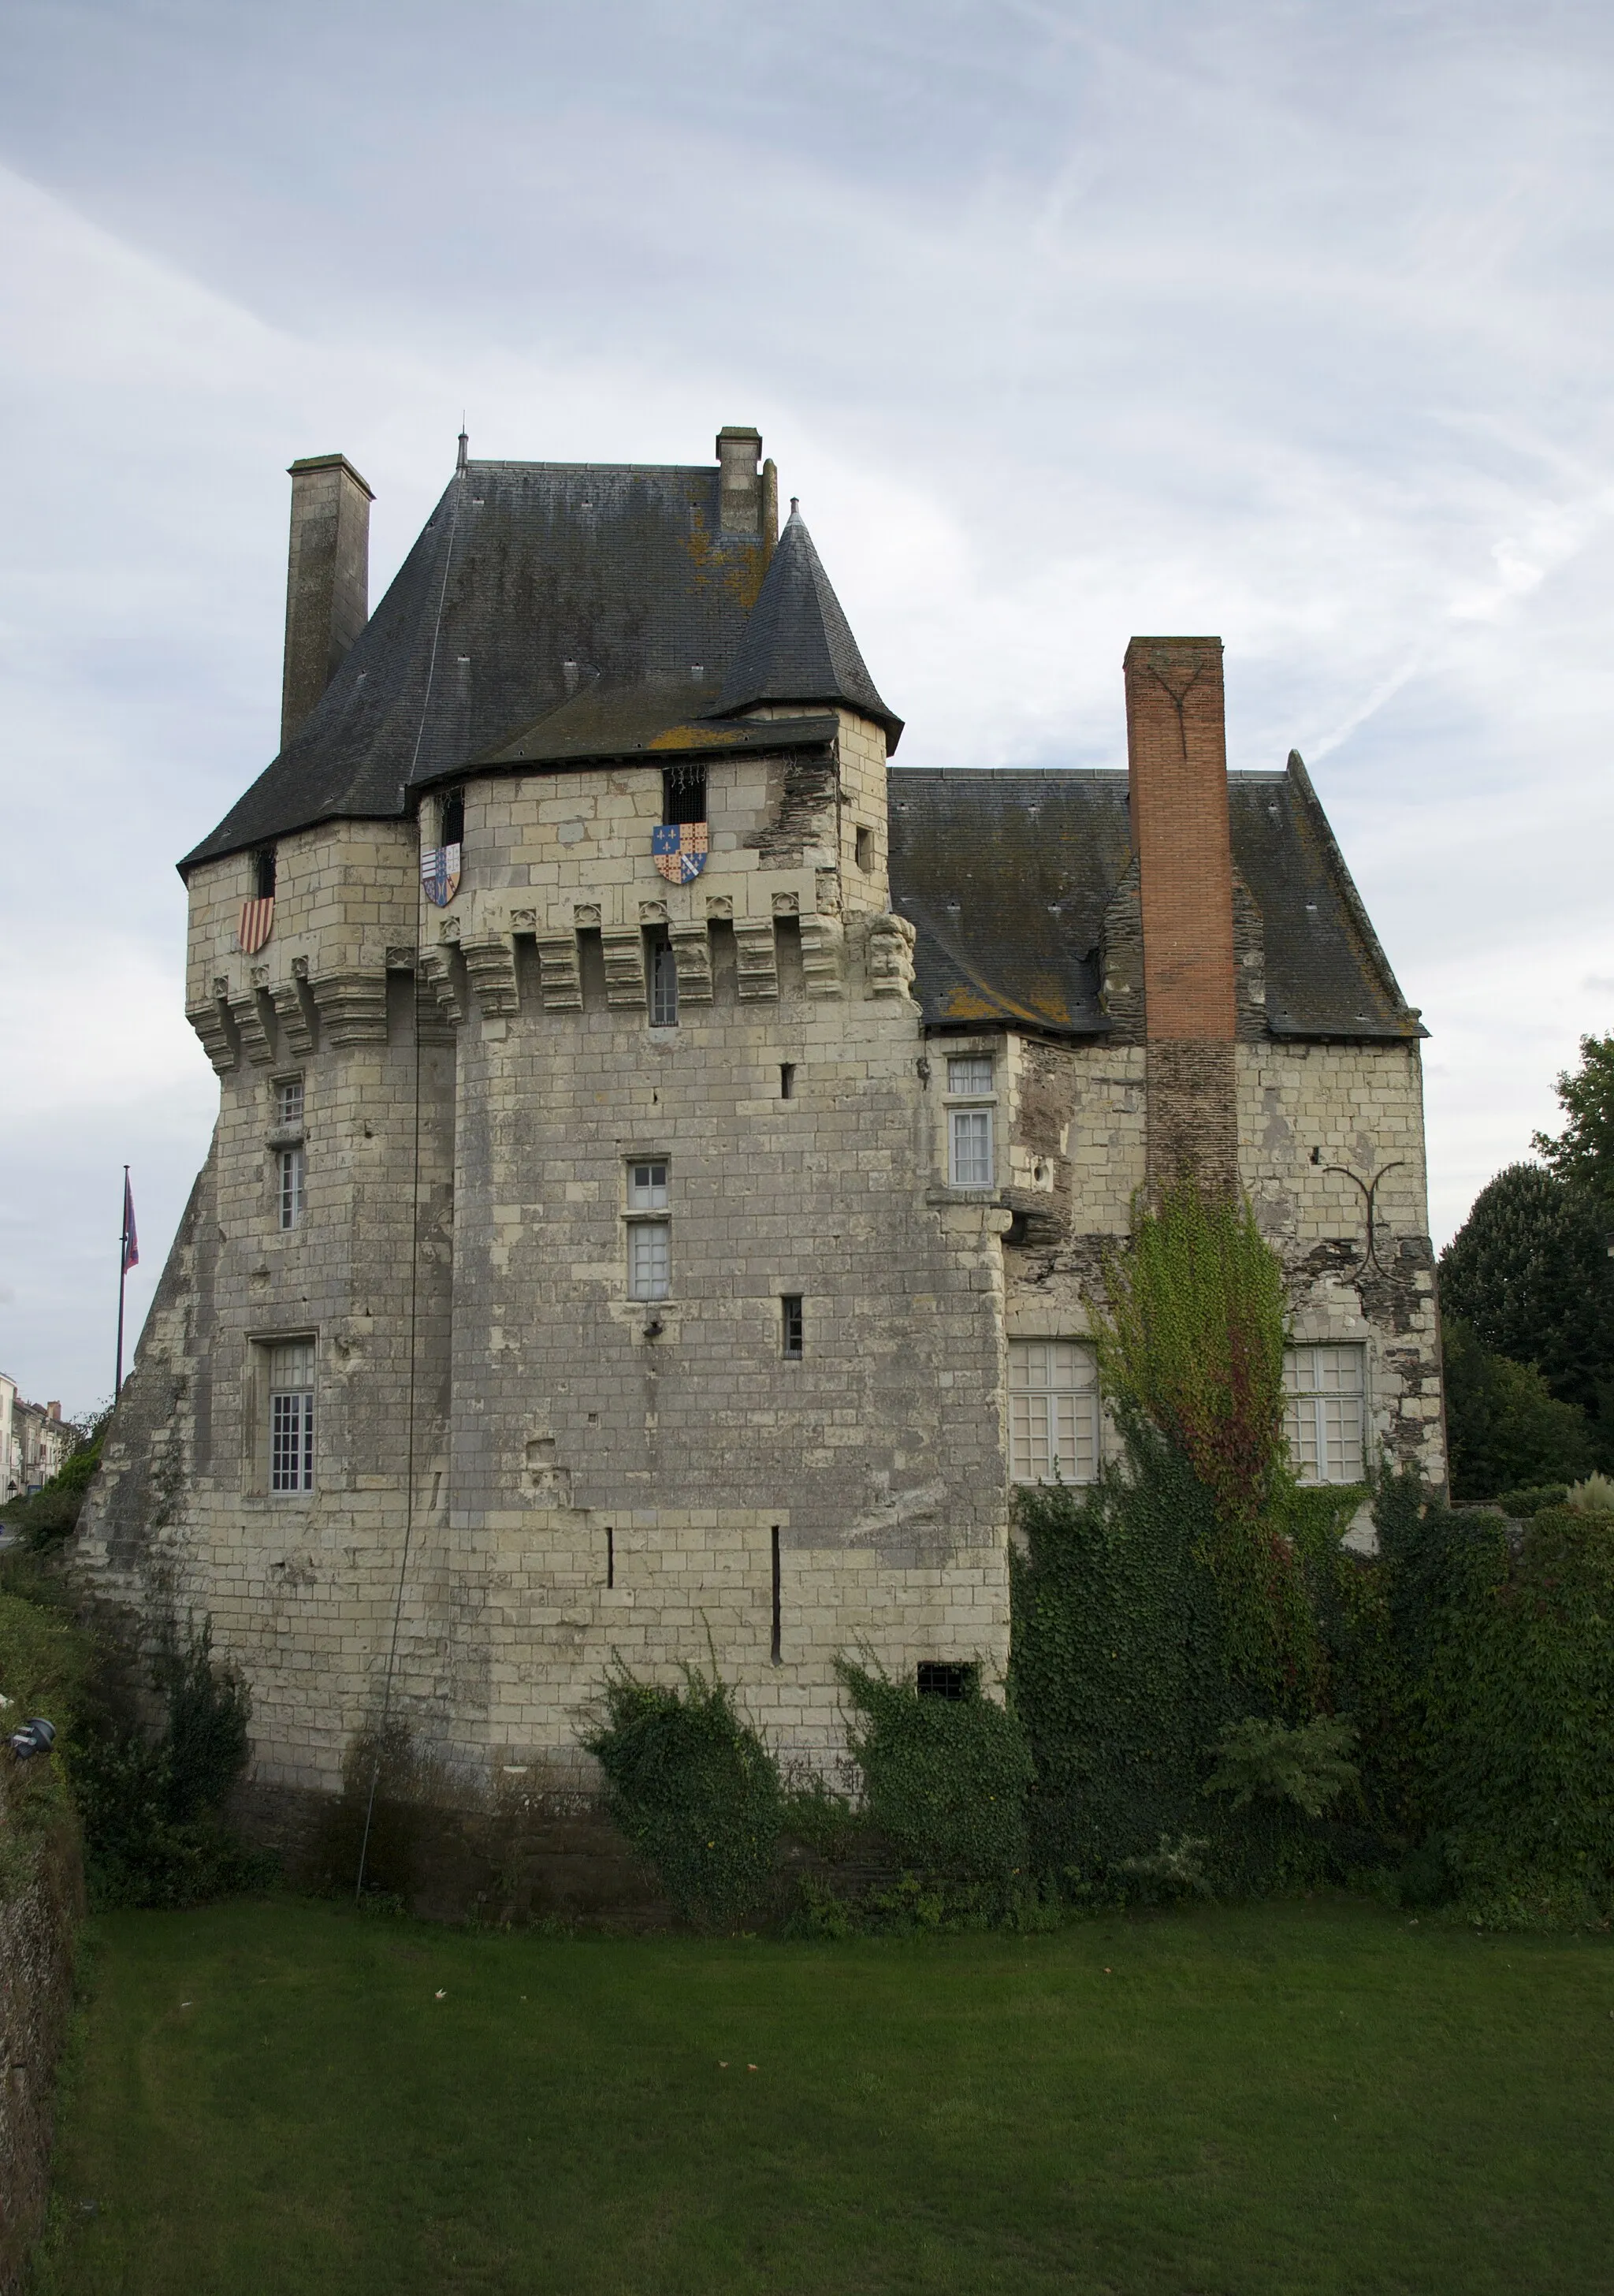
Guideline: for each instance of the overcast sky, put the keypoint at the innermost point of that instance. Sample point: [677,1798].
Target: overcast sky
[1065,321]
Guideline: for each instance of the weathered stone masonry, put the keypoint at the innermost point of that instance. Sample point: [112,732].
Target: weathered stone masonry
[598,1476]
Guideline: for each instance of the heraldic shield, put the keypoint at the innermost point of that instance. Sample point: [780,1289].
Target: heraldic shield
[439,873]
[680,848]
[256,924]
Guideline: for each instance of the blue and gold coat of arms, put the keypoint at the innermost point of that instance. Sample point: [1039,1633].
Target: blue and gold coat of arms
[680,848]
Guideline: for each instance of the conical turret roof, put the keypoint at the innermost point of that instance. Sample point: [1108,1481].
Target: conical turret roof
[797,644]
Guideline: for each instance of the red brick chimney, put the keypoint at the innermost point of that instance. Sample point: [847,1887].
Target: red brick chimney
[1177,755]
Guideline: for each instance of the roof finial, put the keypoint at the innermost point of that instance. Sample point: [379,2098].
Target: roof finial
[464,443]
[795,505]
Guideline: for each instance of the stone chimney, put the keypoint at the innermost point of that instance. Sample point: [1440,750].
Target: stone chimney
[1177,756]
[327,579]
[749,496]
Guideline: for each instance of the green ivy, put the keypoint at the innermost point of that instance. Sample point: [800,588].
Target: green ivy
[694,1789]
[944,1779]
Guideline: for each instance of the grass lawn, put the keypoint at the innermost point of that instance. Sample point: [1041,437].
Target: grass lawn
[1310,2097]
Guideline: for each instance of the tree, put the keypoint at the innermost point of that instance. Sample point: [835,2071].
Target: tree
[1583,1153]
[1530,1272]
[1506,1429]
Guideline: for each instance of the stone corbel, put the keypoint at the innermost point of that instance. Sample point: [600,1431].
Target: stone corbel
[248,1013]
[490,964]
[693,955]
[294,1013]
[438,980]
[821,948]
[213,1024]
[560,974]
[888,950]
[352,1006]
[758,957]
[624,950]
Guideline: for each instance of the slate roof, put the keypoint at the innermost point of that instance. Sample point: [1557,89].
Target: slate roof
[550,612]
[798,645]
[1006,876]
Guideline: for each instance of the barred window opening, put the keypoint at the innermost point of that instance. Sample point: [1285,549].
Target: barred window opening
[1054,1412]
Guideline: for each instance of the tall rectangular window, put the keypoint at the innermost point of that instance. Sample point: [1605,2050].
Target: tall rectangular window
[289,1102]
[970,1147]
[649,1259]
[292,1416]
[792,1326]
[663,985]
[1054,1412]
[1324,1388]
[292,1171]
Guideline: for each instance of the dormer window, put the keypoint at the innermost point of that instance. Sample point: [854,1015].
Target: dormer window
[684,793]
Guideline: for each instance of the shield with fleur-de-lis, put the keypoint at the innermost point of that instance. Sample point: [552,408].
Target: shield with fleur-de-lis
[680,849]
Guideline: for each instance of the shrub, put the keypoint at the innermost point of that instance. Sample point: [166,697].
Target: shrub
[694,1789]
[1531,1501]
[1308,1765]
[1506,1428]
[944,1779]
[1596,1495]
[1508,1666]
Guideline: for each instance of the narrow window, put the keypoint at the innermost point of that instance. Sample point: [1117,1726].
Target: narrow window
[649,1259]
[971,1074]
[863,847]
[683,793]
[647,1187]
[1324,1388]
[663,985]
[611,1556]
[945,1678]
[292,1416]
[969,1136]
[792,1326]
[291,1192]
[263,865]
[452,821]
[1054,1412]
[774,1644]
[288,1103]
[787,1079]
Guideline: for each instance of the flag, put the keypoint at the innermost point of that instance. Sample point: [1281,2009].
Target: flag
[131,1243]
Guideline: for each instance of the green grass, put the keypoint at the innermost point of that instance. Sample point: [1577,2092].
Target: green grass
[1303,2097]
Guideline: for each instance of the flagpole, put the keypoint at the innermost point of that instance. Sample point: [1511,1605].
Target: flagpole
[123,1277]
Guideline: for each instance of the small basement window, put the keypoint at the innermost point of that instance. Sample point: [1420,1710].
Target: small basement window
[683,793]
[946,1678]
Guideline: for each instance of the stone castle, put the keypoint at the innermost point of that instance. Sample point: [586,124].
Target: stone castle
[664,1152]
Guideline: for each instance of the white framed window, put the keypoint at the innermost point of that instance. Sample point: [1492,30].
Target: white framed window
[649,1259]
[970,1147]
[647,1187]
[972,1073]
[291,1173]
[288,1103]
[1054,1412]
[292,1416]
[663,985]
[1325,1388]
